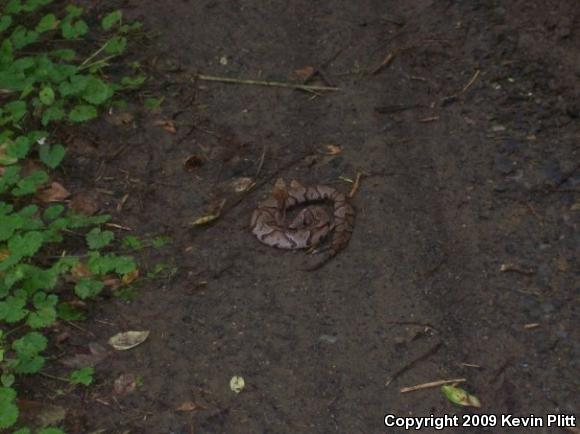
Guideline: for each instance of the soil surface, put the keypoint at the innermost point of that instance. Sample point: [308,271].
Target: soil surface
[463,117]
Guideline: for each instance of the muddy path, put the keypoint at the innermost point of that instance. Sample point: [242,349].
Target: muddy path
[468,133]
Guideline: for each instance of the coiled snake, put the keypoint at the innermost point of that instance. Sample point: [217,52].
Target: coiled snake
[312,224]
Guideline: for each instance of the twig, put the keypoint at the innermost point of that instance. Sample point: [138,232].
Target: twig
[386,62]
[470,82]
[72,324]
[413,323]
[432,384]
[356,185]
[412,363]
[261,163]
[54,377]
[305,87]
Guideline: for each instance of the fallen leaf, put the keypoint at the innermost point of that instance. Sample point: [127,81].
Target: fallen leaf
[125,384]
[459,396]
[112,282]
[305,72]
[97,354]
[120,119]
[127,340]
[192,162]
[167,125]
[237,384]
[242,184]
[333,149]
[40,413]
[55,193]
[187,406]
[86,203]
[80,270]
[130,277]
[4,254]
[204,220]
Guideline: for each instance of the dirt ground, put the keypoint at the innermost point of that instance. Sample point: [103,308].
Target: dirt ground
[464,259]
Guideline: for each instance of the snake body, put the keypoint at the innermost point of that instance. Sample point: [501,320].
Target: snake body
[312,224]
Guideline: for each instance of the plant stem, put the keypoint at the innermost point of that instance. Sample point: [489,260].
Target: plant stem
[304,87]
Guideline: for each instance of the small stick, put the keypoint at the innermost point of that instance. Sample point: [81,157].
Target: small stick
[355,186]
[412,363]
[386,62]
[305,87]
[261,163]
[429,119]
[470,82]
[470,365]
[432,384]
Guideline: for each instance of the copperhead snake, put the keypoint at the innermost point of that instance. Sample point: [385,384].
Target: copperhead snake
[312,224]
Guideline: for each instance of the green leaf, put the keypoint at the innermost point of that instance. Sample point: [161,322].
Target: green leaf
[46,95]
[30,344]
[30,184]
[111,19]
[153,103]
[86,288]
[51,431]
[97,91]
[51,155]
[66,54]
[13,7]
[18,148]
[5,22]
[82,376]
[11,176]
[9,224]
[21,37]
[131,242]
[46,23]
[75,85]
[133,82]
[161,241]
[53,113]
[53,212]
[12,309]
[116,45]
[23,431]
[26,245]
[16,110]
[8,409]
[74,11]
[7,380]
[459,396]
[82,113]
[45,314]
[69,313]
[97,239]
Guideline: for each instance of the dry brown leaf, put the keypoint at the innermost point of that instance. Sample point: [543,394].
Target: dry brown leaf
[40,413]
[187,406]
[86,203]
[4,254]
[119,119]
[80,270]
[127,340]
[130,277]
[242,184]
[125,384]
[192,162]
[112,282]
[333,149]
[204,220]
[97,354]
[55,193]
[305,72]
[167,125]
